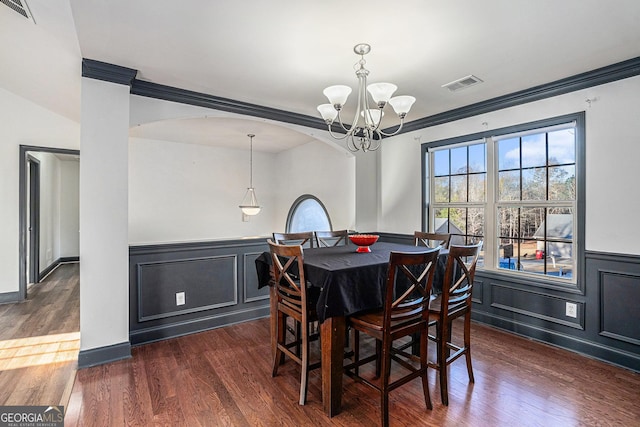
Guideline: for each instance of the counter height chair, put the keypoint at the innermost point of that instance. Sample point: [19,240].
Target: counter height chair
[305,239]
[292,302]
[454,302]
[431,240]
[405,312]
[332,238]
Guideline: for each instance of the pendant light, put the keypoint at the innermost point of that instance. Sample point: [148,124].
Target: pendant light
[249,203]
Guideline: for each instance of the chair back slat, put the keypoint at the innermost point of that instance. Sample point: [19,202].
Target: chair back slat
[431,240]
[305,239]
[408,288]
[459,274]
[288,263]
[332,238]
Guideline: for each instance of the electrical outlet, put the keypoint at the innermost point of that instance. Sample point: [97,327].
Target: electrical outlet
[572,309]
[180,298]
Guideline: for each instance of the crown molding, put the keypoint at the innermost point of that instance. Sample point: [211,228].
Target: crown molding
[122,75]
[108,72]
[599,76]
[169,93]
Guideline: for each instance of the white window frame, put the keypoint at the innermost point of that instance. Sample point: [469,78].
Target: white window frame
[491,205]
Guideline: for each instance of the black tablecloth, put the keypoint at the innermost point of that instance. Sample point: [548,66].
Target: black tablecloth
[349,282]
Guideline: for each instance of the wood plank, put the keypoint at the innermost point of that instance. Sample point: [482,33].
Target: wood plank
[223,377]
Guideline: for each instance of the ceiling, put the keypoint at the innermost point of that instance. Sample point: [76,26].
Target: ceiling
[282,54]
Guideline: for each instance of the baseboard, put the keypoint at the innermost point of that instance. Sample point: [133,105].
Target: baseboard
[590,349]
[102,355]
[10,297]
[68,259]
[173,330]
[44,273]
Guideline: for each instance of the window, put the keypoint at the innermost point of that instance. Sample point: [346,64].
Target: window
[518,190]
[308,214]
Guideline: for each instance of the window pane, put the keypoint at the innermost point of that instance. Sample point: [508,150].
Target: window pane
[441,162]
[457,220]
[534,152]
[562,183]
[459,160]
[309,215]
[477,187]
[559,226]
[531,221]
[560,259]
[441,220]
[477,158]
[459,188]
[441,190]
[562,147]
[534,184]
[475,222]
[508,223]
[509,154]
[509,185]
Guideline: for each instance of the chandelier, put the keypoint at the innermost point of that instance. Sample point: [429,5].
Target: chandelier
[249,203]
[364,133]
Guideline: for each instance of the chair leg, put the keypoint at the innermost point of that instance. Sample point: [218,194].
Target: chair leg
[378,358]
[442,364]
[384,382]
[467,345]
[424,363]
[356,350]
[278,355]
[304,368]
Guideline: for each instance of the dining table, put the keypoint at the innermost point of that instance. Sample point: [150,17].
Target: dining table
[349,282]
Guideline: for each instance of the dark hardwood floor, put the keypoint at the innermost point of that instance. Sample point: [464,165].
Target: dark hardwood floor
[223,378]
[40,340]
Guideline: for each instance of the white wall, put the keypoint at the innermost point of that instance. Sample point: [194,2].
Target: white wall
[181,192]
[23,123]
[69,205]
[322,171]
[49,208]
[612,153]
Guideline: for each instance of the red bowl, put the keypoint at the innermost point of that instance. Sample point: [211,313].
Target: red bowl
[363,241]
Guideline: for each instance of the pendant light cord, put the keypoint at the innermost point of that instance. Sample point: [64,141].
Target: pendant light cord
[251,161]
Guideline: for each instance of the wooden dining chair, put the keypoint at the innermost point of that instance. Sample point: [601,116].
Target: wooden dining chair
[305,239]
[326,239]
[452,303]
[431,240]
[405,312]
[292,302]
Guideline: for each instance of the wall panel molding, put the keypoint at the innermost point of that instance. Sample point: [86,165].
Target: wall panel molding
[208,283]
[216,277]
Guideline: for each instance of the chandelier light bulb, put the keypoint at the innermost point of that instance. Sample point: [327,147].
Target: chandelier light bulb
[328,112]
[402,104]
[381,92]
[337,95]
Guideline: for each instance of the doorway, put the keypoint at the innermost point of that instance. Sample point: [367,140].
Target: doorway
[33,219]
[30,205]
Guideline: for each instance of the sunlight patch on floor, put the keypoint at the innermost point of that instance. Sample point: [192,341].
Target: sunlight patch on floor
[36,351]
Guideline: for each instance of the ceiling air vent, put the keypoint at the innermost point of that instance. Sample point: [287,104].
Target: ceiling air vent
[462,83]
[19,6]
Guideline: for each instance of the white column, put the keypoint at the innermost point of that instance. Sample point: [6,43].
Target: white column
[367,191]
[104,246]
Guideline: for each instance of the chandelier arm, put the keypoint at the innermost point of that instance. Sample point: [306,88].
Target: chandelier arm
[347,130]
[392,133]
[338,137]
[351,145]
